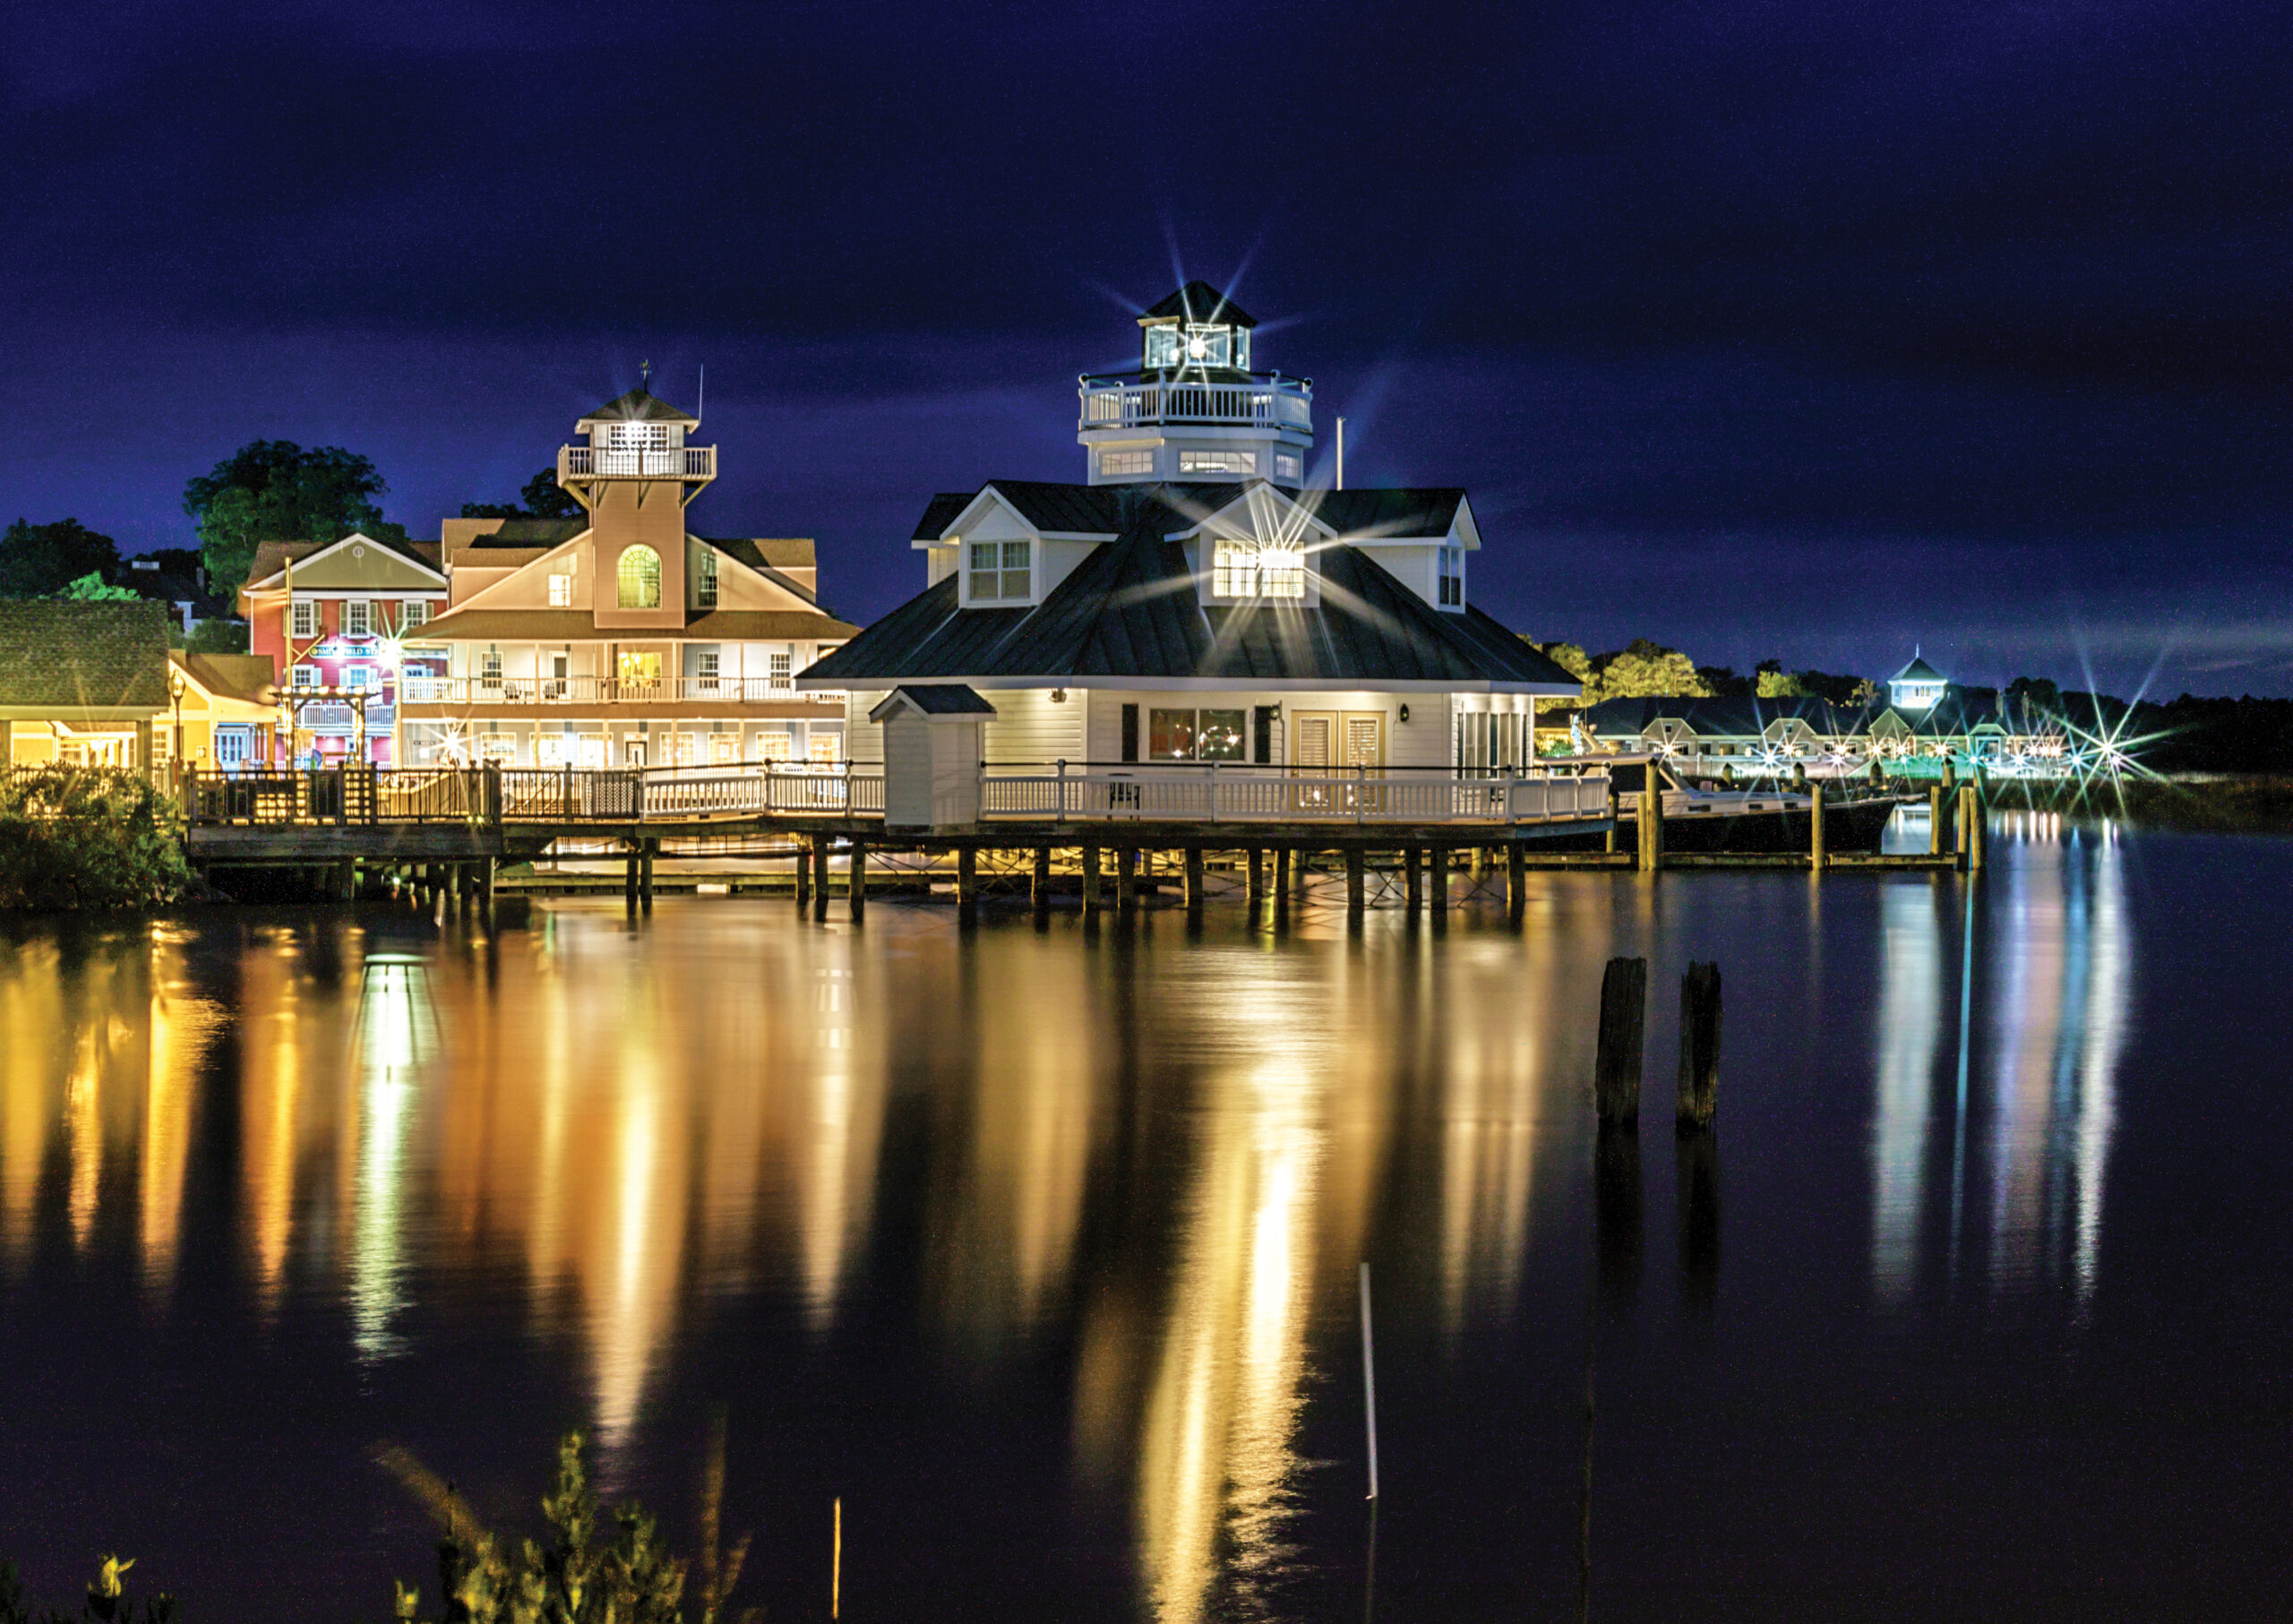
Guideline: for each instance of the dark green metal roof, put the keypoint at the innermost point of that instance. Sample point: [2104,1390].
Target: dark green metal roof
[1131,610]
[1198,301]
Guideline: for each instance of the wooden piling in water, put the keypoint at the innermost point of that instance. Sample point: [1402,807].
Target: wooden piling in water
[804,877]
[644,850]
[1815,826]
[966,881]
[1516,882]
[1934,820]
[1413,861]
[1616,1067]
[1613,808]
[1356,889]
[1193,878]
[1039,893]
[1699,1090]
[1125,877]
[1650,823]
[1281,874]
[857,884]
[1090,877]
[1970,820]
[1255,856]
[820,878]
[1437,880]
[628,876]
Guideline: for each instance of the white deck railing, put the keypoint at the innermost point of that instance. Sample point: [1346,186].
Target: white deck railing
[1335,796]
[418,689]
[633,462]
[1271,399]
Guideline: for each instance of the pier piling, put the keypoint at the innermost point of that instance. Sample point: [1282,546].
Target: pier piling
[1699,1093]
[1815,826]
[820,878]
[1516,882]
[1194,879]
[1934,820]
[1616,1069]
[1256,857]
[967,883]
[1439,881]
[1126,878]
[1356,896]
[1413,861]
[857,884]
[804,877]
[1090,877]
[1039,893]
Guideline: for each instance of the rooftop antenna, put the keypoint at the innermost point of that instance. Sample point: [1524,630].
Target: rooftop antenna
[701,410]
[645,377]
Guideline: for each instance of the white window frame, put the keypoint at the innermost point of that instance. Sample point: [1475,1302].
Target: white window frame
[303,617]
[1005,569]
[1449,578]
[705,587]
[1289,465]
[1119,463]
[357,617]
[781,663]
[306,677]
[560,588]
[412,613]
[1242,570]
[489,670]
[1232,463]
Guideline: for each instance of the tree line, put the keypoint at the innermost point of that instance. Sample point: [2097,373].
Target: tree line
[268,490]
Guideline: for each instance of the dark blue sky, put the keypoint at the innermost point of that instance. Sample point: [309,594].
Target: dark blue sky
[1799,328]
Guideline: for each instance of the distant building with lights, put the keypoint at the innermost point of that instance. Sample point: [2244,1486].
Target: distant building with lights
[1194,599]
[1916,687]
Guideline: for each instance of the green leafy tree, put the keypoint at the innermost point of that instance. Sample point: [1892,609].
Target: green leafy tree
[88,837]
[1643,669]
[218,636]
[544,498]
[275,490]
[92,588]
[42,560]
[1777,683]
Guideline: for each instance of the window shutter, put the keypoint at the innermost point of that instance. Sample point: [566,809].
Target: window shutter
[1130,733]
[1262,734]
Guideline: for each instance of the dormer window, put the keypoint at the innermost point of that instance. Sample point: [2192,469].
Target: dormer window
[1242,569]
[998,571]
[704,579]
[1453,578]
[560,587]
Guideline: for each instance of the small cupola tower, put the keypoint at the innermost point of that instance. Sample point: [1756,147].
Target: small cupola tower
[636,476]
[1918,686]
[1194,411]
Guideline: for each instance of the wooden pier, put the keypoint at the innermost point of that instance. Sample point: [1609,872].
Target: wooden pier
[453,828]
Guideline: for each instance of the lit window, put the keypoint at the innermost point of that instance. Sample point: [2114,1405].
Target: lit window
[497,747]
[825,748]
[1195,736]
[550,748]
[638,670]
[1453,578]
[704,579]
[775,746]
[781,682]
[1217,462]
[413,612]
[489,669]
[640,578]
[306,618]
[560,588]
[999,571]
[1239,570]
[359,679]
[1162,346]
[1126,462]
[306,677]
[357,616]
[710,664]
[1288,467]
[723,749]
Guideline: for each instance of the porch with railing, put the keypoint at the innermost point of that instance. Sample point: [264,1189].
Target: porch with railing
[541,691]
[1214,793]
[636,463]
[1267,399]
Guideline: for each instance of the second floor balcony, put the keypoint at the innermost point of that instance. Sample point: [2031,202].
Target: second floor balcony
[559,691]
[1153,401]
[687,463]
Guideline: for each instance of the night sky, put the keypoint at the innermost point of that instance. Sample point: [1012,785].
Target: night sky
[1803,330]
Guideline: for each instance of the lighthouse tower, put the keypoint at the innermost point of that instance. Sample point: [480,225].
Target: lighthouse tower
[1194,410]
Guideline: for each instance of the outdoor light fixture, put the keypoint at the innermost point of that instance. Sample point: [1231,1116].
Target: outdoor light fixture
[1404,713]
[1059,696]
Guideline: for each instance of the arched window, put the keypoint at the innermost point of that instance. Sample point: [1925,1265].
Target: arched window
[640,578]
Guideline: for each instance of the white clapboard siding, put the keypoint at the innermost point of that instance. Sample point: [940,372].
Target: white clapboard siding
[1029,727]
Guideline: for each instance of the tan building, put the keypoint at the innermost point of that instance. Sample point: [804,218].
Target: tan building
[622,639]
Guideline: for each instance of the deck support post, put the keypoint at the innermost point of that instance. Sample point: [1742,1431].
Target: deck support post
[1651,821]
[1699,1089]
[1934,820]
[967,883]
[1125,877]
[1516,882]
[1438,883]
[856,885]
[1040,892]
[1970,830]
[1194,879]
[1611,846]
[1355,898]
[1090,877]
[1815,826]
[487,868]
[820,876]
[804,876]
[1412,863]
[1616,1064]
[1257,859]
[646,848]
[1474,856]
[629,878]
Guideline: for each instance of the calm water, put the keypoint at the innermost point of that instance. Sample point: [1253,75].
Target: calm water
[1038,1246]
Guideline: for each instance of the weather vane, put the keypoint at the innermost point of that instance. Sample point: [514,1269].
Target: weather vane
[645,375]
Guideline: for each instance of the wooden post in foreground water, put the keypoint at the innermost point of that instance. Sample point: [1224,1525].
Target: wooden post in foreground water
[1369,1381]
[836,1564]
[1194,879]
[1090,877]
[1935,819]
[1970,830]
[820,878]
[1615,1069]
[857,885]
[1816,826]
[1699,1096]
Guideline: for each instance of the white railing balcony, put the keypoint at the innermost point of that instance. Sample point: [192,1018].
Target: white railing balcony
[1317,794]
[579,690]
[1266,400]
[690,463]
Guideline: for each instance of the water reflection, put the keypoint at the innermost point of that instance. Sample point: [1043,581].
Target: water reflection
[2018,1149]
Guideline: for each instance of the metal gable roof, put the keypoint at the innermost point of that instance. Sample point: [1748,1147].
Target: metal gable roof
[1388,511]
[934,699]
[1131,610]
[940,513]
[638,405]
